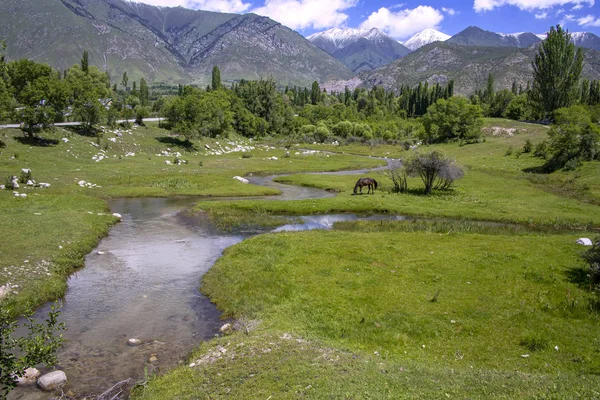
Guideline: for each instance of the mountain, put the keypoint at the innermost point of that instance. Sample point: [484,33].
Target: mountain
[467,66]
[359,49]
[166,44]
[586,40]
[474,36]
[424,38]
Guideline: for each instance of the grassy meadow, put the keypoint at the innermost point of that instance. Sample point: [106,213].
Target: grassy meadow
[485,297]
[440,307]
[47,234]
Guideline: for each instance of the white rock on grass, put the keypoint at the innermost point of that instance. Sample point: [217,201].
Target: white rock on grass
[226,329]
[29,377]
[65,140]
[243,180]
[585,242]
[52,380]
[117,215]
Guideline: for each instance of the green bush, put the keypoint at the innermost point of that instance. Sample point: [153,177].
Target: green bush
[528,146]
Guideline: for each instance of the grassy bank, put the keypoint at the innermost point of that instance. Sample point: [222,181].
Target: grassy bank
[496,186]
[46,235]
[394,314]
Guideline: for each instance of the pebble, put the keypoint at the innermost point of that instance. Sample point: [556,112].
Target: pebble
[134,342]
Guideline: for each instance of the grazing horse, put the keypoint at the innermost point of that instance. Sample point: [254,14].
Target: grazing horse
[370,182]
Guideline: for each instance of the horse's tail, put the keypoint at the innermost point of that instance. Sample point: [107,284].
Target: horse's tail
[375,183]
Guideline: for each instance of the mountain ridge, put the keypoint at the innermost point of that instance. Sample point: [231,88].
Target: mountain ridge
[359,49]
[163,44]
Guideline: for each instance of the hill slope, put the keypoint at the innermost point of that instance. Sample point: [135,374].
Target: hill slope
[468,66]
[174,45]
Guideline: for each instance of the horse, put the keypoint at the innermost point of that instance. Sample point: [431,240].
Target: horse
[370,182]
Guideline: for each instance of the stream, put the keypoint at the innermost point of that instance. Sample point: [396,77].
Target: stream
[142,282]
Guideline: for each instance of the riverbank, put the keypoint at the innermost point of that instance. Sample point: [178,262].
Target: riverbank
[48,233]
[394,314]
[430,309]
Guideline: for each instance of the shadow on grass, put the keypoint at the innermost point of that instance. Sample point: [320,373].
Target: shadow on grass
[177,142]
[579,275]
[83,131]
[37,141]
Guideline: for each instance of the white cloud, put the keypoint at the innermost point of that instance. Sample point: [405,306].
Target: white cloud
[589,20]
[301,14]
[529,5]
[404,23]
[566,19]
[228,6]
[542,15]
[577,7]
[449,11]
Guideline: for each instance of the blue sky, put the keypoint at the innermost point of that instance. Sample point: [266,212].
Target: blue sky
[402,20]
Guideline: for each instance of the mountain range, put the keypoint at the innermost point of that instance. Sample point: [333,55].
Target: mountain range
[468,66]
[177,45]
[163,44]
[359,49]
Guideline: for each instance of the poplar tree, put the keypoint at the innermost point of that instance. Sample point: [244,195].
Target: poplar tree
[85,66]
[556,71]
[216,78]
[124,80]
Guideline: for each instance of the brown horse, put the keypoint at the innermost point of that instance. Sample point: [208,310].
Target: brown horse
[369,182]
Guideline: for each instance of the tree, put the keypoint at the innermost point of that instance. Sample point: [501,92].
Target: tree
[124,80]
[453,119]
[573,138]
[216,78]
[435,170]
[315,93]
[556,71]
[85,62]
[144,93]
[488,95]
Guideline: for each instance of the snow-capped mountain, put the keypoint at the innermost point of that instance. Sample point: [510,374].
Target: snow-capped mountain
[359,49]
[586,40]
[425,37]
[338,38]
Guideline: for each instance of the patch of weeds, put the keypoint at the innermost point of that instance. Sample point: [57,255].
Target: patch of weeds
[564,187]
[534,341]
[246,155]
[509,151]
[528,146]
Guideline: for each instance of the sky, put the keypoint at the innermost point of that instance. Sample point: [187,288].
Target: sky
[402,20]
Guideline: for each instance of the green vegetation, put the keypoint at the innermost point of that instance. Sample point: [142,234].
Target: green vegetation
[556,71]
[48,233]
[37,346]
[396,314]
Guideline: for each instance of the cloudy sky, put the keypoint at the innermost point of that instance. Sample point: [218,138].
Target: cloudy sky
[401,20]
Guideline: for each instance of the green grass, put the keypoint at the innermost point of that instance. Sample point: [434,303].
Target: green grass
[495,187]
[70,213]
[362,305]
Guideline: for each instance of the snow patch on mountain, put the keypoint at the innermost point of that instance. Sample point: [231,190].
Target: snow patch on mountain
[425,37]
[342,37]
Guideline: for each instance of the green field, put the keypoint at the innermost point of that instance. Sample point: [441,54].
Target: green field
[47,234]
[441,307]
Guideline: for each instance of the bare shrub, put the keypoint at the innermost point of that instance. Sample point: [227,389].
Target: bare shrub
[435,170]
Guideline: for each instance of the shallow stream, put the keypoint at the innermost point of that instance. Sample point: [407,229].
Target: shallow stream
[142,282]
